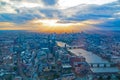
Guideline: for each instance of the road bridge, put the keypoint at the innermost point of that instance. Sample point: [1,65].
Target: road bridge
[101,65]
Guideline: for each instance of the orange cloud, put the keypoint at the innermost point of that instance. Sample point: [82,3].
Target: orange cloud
[50,26]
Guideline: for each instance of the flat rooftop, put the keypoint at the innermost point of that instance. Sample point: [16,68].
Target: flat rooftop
[66,66]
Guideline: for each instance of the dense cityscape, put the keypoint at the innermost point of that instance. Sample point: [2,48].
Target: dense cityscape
[59,39]
[74,56]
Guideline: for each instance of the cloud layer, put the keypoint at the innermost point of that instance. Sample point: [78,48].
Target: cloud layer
[17,14]
[50,26]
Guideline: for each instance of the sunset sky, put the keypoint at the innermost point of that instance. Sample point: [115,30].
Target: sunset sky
[59,15]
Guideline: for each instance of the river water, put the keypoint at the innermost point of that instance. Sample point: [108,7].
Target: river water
[91,58]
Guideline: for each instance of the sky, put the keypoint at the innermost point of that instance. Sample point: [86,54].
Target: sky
[59,15]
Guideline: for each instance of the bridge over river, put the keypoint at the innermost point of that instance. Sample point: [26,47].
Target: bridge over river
[97,64]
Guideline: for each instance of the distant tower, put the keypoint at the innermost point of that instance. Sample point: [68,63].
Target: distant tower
[52,42]
[65,46]
[54,39]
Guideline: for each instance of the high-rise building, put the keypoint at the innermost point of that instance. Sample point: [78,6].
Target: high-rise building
[52,42]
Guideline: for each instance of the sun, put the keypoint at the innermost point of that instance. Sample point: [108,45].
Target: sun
[52,23]
[56,26]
